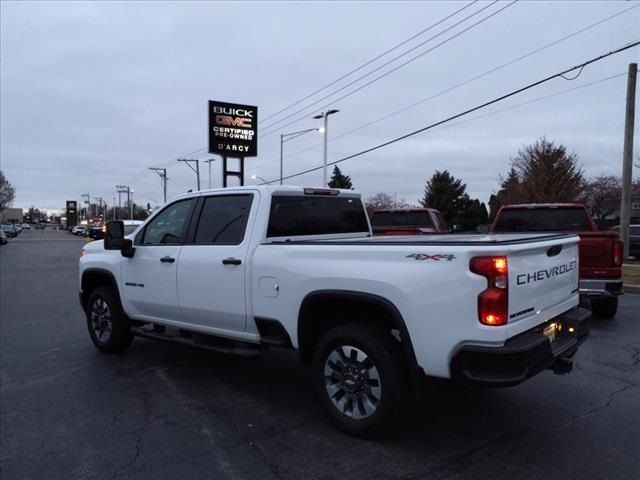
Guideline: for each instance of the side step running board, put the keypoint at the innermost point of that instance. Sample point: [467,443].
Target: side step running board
[193,339]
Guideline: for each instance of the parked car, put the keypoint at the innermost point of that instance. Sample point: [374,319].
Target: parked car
[26,226]
[3,237]
[634,239]
[39,226]
[10,231]
[17,227]
[238,269]
[600,252]
[79,230]
[131,226]
[408,221]
[95,232]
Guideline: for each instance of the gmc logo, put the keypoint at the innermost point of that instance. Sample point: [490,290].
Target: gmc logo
[233,121]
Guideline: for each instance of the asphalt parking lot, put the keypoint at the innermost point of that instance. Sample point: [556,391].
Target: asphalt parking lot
[166,411]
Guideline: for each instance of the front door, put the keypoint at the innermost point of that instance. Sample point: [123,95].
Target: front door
[149,277]
[212,269]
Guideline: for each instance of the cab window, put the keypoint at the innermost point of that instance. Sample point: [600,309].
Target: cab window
[223,219]
[170,225]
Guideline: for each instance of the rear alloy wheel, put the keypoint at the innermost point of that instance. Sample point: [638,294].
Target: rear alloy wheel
[606,307]
[352,382]
[108,325]
[359,375]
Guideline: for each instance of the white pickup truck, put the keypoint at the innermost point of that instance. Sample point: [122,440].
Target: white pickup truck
[238,270]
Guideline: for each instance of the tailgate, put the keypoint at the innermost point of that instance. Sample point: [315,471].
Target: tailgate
[596,254]
[541,277]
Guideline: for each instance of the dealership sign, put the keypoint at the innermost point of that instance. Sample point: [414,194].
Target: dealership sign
[233,129]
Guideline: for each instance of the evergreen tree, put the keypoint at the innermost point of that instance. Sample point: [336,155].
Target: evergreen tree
[447,194]
[443,192]
[338,180]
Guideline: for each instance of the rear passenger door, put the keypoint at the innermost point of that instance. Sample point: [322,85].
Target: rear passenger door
[212,268]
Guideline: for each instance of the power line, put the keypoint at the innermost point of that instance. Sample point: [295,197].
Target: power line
[539,99]
[411,60]
[461,84]
[473,109]
[422,32]
[497,68]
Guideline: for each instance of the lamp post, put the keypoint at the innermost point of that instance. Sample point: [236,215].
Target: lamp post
[325,115]
[209,162]
[258,177]
[291,136]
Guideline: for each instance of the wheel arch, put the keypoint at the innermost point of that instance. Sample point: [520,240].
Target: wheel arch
[93,278]
[312,322]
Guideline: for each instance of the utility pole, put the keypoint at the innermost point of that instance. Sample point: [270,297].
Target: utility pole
[88,201]
[163,176]
[120,191]
[188,161]
[114,208]
[627,165]
[99,199]
[209,162]
[127,188]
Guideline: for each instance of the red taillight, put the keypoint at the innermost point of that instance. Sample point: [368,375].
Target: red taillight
[618,249]
[493,304]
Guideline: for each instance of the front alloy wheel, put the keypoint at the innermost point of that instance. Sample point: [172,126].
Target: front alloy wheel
[101,320]
[107,323]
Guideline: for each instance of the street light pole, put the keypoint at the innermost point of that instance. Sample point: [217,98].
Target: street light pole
[209,162]
[282,140]
[188,161]
[325,115]
[258,177]
[281,157]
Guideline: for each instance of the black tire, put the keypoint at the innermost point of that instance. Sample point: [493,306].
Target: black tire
[604,307]
[372,411]
[107,323]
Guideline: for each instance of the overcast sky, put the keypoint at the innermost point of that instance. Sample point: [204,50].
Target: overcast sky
[92,94]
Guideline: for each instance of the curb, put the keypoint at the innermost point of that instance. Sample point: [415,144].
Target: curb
[631,288]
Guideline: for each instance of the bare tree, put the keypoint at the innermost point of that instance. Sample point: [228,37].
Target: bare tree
[7,192]
[602,195]
[379,201]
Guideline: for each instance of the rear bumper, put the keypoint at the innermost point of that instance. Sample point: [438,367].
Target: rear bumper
[524,355]
[601,287]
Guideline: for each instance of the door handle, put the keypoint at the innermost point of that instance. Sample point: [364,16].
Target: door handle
[231,261]
[167,259]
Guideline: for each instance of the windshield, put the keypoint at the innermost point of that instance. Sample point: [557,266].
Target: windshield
[401,219]
[542,220]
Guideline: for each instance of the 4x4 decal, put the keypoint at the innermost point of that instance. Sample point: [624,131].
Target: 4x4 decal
[437,257]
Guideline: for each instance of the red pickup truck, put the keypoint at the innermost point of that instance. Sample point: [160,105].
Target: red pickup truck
[600,252]
[407,221]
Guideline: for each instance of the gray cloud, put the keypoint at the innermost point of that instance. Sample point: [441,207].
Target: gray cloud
[94,93]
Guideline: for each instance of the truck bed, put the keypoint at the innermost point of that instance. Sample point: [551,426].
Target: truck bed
[436,240]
